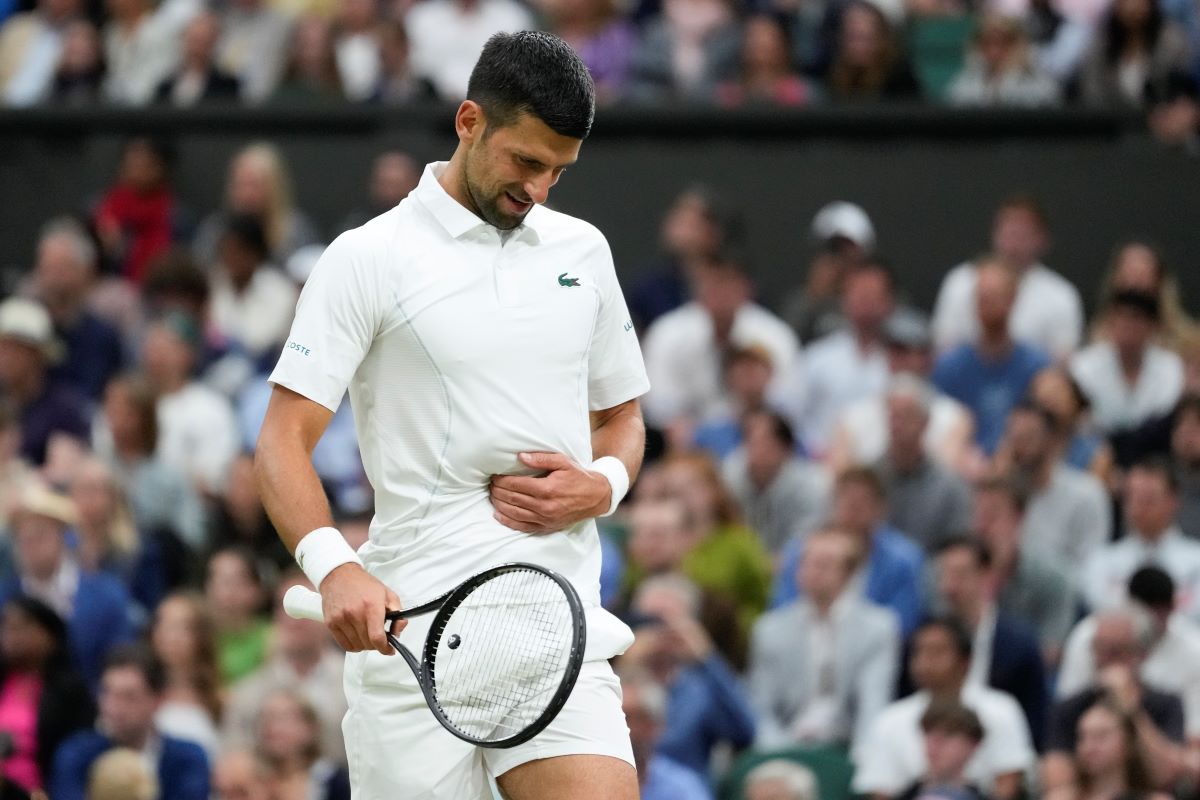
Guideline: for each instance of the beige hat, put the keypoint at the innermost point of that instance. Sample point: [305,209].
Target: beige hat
[28,321]
[42,501]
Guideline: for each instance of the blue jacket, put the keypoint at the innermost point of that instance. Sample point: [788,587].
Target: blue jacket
[1017,668]
[705,705]
[182,768]
[99,621]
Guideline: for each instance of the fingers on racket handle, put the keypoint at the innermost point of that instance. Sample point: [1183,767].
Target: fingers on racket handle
[302,603]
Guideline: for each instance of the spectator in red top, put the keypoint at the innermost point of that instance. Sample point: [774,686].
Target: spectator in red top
[134,218]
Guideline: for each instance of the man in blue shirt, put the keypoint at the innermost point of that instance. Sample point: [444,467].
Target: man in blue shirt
[131,690]
[993,374]
[644,702]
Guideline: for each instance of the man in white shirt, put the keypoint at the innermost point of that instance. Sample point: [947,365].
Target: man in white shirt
[489,357]
[252,302]
[1151,537]
[891,757]
[1127,378]
[254,47]
[140,50]
[447,35]
[1048,311]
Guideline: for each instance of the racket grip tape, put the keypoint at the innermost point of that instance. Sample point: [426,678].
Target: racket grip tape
[302,603]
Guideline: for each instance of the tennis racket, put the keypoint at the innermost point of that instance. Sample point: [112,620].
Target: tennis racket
[501,656]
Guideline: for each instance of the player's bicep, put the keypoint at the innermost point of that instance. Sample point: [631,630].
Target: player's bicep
[292,417]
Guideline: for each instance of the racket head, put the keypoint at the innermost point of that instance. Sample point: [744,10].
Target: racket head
[503,654]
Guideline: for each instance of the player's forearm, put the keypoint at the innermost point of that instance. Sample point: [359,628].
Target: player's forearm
[290,488]
[621,433]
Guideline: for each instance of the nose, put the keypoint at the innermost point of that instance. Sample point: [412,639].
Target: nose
[538,188]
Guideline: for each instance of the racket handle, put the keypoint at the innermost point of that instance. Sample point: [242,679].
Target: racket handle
[302,603]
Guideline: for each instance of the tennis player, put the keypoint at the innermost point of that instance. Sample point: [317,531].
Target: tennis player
[494,375]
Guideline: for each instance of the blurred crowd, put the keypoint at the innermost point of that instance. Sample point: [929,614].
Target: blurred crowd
[873,551]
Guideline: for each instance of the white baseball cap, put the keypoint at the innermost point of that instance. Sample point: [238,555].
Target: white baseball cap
[28,321]
[845,220]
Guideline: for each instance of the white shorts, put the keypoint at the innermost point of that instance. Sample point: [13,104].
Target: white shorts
[398,751]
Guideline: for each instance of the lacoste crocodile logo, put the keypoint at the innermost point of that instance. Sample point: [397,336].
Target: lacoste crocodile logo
[563,280]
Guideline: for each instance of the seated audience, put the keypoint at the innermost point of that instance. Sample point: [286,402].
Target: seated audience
[1001,69]
[79,73]
[746,373]
[357,47]
[952,734]
[199,80]
[685,52]
[140,51]
[240,775]
[183,638]
[1108,758]
[766,75]
[288,742]
[823,666]
[30,44]
[644,702]
[447,36]
[868,62]
[1133,56]
[238,518]
[253,46]
[252,302]
[780,779]
[122,774]
[311,77]
[394,174]
[235,594]
[603,36]
[1137,266]
[1079,443]
[1185,458]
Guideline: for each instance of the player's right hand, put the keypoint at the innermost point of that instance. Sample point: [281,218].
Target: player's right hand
[355,604]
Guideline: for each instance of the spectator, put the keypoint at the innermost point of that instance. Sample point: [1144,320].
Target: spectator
[824,666]
[199,80]
[93,605]
[45,408]
[725,556]
[398,84]
[1025,585]
[239,519]
[782,494]
[30,47]
[253,47]
[235,593]
[107,540]
[1175,116]
[861,434]
[129,697]
[849,365]
[121,774]
[160,495]
[1059,35]
[357,48]
[705,704]
[1134,54]
[1001,69]
[602,36]
[183,638]
[140,51]
[14,471]
[197,432]
[660,777]
[689,48]
[1172,661]
[892,756]
[447,36]
[1185,455]
[394,174]
[684,348]
[1005,652]
[301,660]
[1068,517]
[868,62]
[925,499]
[63,279]
[312,76]
[991,375]
[239,775]
[1152,537]
[746,374]
[1108,760]
[42,698]
[767,76]
[1128,379]
[845,237]
[252,301]
[1081,446]
[80,70]
[952,734]
[1047,314]
[892,569]
[289,746]
[135,219]
[696,228]
[1139,267]
[1119,647]
[780,779]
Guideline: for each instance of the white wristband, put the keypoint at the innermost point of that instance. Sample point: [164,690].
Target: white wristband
[612,468]
[322,551]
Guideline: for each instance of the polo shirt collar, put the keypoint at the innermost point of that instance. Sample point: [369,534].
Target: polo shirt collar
[452,215]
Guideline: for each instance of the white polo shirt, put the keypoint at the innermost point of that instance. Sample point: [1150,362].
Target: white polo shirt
[1118,405]
[461,348]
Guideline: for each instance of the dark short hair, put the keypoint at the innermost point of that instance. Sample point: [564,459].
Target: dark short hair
[249,232]
[176,273]
[1016,493]
[533,72]
[863,476]
[950,716]
[960,637]
[1153,587]
[1160,467]
[780,428]
[141,658]
[1144,303]
[978,550]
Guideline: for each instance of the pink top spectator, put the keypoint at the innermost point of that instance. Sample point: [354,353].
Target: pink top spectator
[19,698]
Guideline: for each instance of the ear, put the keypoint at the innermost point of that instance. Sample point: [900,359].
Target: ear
[469,121]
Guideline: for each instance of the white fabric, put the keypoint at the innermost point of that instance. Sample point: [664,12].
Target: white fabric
[32,80]
[358,65]
[260,315]
[197,434]
[837,374]
[59,590]
[321,552]
[981,648]
[1172,665]
[893,756]
[459,353]
[684,360]
[190,723]
[1048,312]
[1107,573]
[865,425]
[138,60]
[1116,405]
[447,38]
[1068,521]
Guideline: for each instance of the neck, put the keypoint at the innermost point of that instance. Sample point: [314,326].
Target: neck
[866,338]
[972,612]
[1131,361]
[763,477]
[995,343]
[907,459]
[137,741]
[951,691]
[823,604]
[170,384]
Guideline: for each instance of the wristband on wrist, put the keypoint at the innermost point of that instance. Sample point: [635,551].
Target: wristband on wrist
[322,551]
[612,468]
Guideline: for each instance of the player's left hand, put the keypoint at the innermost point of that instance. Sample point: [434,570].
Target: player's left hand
[564,495]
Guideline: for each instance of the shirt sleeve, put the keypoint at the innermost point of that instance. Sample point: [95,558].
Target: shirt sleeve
[616,372]
[1008,743]
[337,316]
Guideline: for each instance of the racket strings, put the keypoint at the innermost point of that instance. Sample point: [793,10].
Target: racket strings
[502,655]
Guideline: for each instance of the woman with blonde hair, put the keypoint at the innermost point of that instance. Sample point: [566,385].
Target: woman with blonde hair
[258,185]
[184,639]
[1109,763]
[122,774]
[1000,69]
